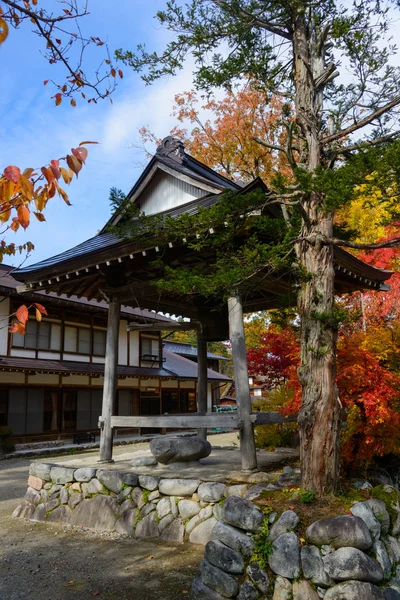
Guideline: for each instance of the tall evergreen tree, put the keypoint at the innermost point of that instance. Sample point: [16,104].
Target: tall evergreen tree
[332,63]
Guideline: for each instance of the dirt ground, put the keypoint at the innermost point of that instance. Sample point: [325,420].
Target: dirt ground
[45,562]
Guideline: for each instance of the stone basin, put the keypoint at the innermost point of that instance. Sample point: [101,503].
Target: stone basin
[179,450]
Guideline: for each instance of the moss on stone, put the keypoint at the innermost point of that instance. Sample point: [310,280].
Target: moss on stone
[390,496]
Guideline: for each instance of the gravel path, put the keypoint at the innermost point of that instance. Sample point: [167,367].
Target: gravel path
[50,562]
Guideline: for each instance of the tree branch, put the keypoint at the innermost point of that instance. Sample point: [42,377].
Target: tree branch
[273,146]
[368,143]
[377,113]
[271,27]
[394,243]
[40,16]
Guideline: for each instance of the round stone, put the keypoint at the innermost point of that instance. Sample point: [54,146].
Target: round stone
[172,450]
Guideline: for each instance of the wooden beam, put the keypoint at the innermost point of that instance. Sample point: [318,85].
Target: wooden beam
[246,435]
[186,421]
[268,418]
[201,381]
[164,326]
[194,420]
[110,380]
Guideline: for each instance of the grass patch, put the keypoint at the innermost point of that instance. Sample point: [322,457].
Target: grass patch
[321,508]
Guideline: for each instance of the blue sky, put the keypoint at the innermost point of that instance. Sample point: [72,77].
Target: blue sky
[35,131]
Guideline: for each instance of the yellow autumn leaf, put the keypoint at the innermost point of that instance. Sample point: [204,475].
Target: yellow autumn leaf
[3,30]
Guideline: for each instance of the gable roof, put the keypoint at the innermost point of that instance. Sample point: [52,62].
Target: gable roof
[182,166]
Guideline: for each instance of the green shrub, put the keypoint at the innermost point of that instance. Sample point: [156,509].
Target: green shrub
[6,445]
[279,434]
[307,497]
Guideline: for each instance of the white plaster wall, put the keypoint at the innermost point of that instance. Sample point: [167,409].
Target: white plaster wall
[144,383]
[12,377]
[22,353]
[128,383]
[43,379]
[134,349]
[187,384]
[75,380]
[100,360]
[123,343]
[169,384]
[4,312]
[76,357]
[49,355]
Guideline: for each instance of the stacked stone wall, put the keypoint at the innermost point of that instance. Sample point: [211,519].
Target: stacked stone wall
[174,510]
[249,555]
[253,556]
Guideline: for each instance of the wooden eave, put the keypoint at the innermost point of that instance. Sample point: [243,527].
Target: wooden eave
[126,268]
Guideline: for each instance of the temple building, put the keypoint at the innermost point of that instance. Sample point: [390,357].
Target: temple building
[122,273]
[51,378]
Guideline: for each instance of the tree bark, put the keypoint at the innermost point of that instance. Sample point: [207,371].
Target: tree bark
[319,416]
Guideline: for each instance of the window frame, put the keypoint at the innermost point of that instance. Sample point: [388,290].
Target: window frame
[159,358]
[103,331]
[38,324]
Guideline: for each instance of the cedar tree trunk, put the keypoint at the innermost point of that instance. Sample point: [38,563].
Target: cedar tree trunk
[319,417]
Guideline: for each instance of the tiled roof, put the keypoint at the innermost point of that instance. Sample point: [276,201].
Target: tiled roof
[174,367]
[187,369]
[185,349]
[8,285]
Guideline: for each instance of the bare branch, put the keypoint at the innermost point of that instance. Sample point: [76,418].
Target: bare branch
[40,15]
[273,146]
[377,113]
[368,143]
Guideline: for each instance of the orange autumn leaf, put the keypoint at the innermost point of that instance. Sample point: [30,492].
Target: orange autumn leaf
[48,173]
[40,307]
[26,187]
[38,315]
[22,314]
[40,216]
[16,327]
[74,164]
[23,215]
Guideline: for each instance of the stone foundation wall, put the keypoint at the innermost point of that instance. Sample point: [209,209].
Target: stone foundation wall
[174,510]
[249,555]
[254,556]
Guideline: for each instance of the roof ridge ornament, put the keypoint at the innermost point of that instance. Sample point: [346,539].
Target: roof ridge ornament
[173,148]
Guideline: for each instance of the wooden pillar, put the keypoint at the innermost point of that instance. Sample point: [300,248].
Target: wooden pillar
[246,433]
[110,380]
[201,381]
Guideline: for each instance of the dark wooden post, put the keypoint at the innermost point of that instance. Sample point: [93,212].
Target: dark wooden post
[110,379]
[201,381]
[246,434]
